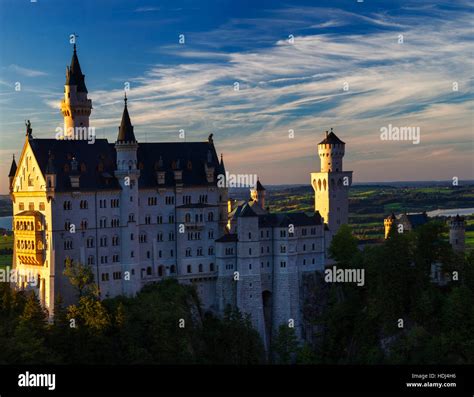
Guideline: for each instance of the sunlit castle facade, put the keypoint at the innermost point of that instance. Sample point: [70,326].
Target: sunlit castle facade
[141,212]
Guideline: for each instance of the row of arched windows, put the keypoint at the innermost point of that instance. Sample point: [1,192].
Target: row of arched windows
[28,245]
[24,225]
[323,185]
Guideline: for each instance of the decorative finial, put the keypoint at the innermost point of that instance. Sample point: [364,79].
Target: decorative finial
[29,130]
[331,129]
[327,134]
[13,156]
[210,138]
[125,98]
[222,157]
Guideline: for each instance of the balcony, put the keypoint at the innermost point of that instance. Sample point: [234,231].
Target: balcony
[29,237]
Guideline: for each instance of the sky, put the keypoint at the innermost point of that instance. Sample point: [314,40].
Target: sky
[267,78]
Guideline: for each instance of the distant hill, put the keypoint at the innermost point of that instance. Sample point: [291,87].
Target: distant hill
[5,205]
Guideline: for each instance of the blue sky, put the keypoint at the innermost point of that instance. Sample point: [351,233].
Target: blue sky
[283,85]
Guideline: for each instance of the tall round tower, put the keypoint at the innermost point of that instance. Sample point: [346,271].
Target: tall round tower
[331,185]
[457,233]
[75,107]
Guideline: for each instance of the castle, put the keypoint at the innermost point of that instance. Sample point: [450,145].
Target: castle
[141,212]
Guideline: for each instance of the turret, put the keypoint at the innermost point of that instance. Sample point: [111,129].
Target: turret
[75,107]
[388,223]
[126,144]
[331,185]
[11,174]
[258,194]
[331,151]
[128,174]
[457,233]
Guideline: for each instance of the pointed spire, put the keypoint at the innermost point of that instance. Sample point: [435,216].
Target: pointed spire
[74,74]
[259,186]
[126,128]
[12,168]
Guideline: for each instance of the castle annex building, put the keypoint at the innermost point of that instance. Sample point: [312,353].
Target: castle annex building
[156,210]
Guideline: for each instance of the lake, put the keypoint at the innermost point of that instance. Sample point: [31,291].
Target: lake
[6,222]
[451,212]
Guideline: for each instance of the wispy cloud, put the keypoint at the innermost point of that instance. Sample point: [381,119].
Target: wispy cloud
[299,86]
[147,9]
[25,71]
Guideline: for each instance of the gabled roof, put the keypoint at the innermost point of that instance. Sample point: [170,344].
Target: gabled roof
[74,74]
[331,139]
[247,212]
[415,220]
[12,167]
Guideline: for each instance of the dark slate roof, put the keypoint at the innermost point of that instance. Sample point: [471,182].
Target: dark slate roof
[12,168]
[74,74]
[96,156]
[126,128]
[99,160]
[228,238]
[247,212]
[192,157]
[292,218]
[331,139]
[260,188]
[415,220]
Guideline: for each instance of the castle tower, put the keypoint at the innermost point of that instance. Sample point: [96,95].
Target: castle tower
[127,174]
[75,107]
[457,233]
[331,185]
[388,223]
[258,194]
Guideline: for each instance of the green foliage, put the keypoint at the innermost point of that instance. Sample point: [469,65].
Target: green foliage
[343,246]
[145,329]
[285,345]
[80,276]
[360,324]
